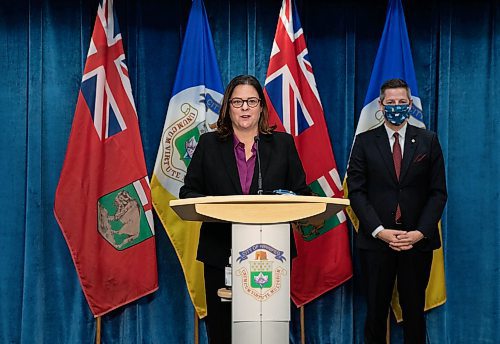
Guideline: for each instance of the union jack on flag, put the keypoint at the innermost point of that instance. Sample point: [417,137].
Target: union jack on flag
[105,82]
[295,107]
[290,82]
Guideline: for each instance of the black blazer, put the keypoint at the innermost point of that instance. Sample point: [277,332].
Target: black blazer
[213,172]
[374,190]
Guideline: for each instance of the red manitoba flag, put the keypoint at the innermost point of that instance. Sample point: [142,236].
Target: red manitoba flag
[323,252]
[103,199]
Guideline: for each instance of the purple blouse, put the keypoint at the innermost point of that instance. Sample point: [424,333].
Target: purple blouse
[245,167]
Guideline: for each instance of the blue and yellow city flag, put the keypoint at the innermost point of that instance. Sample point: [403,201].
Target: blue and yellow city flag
[193,109]
[394,60]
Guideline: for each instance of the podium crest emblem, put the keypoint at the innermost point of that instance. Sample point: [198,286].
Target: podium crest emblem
[261,271]
[261,277]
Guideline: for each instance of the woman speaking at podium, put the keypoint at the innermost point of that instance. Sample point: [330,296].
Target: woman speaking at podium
[242,156]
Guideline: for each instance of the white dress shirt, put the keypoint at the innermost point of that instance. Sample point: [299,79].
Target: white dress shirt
[390,136]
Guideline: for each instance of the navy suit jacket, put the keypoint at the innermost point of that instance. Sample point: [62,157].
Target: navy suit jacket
[213,172]
[374,190]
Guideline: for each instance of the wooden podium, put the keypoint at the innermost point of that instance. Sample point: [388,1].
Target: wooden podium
[260,255]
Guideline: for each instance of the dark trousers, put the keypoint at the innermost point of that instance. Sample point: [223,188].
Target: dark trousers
[380,269]
[218,319]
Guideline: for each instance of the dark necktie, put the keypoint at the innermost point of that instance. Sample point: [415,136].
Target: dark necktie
[397,156]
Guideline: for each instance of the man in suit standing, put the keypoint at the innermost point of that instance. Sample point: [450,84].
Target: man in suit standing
[397,187]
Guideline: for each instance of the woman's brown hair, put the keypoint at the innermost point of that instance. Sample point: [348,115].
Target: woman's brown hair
[224,125]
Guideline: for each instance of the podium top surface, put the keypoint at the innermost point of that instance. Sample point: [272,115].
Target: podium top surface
[253,209]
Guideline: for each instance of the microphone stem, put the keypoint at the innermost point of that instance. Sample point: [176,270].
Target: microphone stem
[259,180]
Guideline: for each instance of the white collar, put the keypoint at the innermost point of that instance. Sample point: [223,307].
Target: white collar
[401,132]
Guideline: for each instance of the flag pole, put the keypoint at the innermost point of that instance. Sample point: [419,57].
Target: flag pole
[196,328]
[98,330]
[302,326]
[388,333]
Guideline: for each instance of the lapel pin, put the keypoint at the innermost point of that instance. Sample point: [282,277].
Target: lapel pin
[412,140]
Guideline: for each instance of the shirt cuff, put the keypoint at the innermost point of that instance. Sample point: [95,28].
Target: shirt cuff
[377,230]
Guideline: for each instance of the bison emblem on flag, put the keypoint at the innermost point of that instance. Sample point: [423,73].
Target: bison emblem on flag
[124,218]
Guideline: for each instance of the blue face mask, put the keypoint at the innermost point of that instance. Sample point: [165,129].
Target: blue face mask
[396,114]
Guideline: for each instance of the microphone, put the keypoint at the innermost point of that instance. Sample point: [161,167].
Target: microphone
[259,180]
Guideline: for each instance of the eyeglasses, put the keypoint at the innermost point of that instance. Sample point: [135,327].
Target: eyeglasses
[238,102]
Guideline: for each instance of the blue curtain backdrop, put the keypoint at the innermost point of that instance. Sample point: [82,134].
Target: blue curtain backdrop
[43,45]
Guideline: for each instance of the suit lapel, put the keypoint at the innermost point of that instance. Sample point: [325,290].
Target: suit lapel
[384,148]
[411,144]
[227,154]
